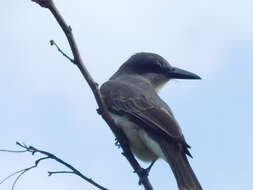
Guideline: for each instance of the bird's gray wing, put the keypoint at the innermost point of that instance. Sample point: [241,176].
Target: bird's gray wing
[143,108]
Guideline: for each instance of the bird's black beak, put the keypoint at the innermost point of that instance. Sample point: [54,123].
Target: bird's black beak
[177,73]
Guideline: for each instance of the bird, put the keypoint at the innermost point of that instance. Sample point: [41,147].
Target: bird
[152,131]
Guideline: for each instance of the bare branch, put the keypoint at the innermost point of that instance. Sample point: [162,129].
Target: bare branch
[60,172]
[19,176]
[48,155]
[103,111]
[34,150]
[52,43]
[13,151]
[22,172]
[15,173]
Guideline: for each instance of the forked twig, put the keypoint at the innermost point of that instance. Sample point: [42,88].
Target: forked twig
[48,155]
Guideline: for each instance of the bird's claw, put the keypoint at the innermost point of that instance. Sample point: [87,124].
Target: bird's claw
[99,111]
[117,143]
[144,174]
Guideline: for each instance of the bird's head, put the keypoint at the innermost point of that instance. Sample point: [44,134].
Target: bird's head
[153,68]
[144,63]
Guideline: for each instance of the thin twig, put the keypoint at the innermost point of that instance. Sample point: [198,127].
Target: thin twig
[103,110]
[20,175]
[22,172]
[11,176]
[60,172]
[13,151]
[53,43]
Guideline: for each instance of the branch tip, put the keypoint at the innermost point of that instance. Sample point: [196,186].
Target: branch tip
[51,42]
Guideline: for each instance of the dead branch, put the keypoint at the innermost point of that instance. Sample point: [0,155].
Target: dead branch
[48,155]
[103,111]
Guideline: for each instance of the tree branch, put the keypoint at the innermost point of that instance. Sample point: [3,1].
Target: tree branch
[48,155]
[49,4]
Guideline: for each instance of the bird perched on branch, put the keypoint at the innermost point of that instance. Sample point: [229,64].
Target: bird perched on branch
[147,121]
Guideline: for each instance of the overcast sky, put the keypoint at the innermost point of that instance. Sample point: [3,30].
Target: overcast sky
[46,103]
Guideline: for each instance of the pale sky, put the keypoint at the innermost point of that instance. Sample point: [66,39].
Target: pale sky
[46,103]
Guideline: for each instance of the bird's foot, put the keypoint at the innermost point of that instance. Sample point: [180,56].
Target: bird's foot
[117,143]
[99,111]
[145,172]
[150,166]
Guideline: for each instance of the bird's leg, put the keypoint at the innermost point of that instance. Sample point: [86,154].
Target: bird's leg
[146,171]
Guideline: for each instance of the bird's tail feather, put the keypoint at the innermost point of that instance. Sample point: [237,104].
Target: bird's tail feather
[185,177]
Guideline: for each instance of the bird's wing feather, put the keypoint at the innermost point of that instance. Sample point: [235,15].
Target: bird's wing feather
[148,111]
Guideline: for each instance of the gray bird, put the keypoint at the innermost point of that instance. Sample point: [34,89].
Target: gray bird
[131,95]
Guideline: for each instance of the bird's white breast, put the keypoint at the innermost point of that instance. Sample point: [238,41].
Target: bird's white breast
[141,144]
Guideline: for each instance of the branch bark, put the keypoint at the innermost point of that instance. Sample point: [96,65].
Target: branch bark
[103,111]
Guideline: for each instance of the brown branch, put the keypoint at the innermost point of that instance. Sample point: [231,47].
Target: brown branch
[49,4]
[48,155]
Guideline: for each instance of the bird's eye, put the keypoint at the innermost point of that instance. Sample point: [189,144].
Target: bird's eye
[156,67]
